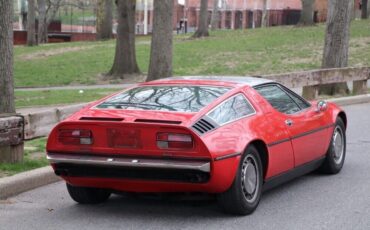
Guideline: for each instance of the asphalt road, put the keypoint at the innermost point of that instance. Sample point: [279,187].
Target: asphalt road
[310,202]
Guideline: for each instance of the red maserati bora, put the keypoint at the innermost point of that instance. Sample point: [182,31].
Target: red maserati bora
[230,136]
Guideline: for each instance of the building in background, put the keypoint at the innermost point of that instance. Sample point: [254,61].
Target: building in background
[77,18]
[243,14]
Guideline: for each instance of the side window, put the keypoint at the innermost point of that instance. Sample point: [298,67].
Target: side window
[279,99]
[232,109]
[302,103]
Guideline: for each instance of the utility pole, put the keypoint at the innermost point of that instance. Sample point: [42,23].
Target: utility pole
[233,15]
[145,17]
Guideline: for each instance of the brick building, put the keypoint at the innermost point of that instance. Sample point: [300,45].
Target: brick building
[238,14]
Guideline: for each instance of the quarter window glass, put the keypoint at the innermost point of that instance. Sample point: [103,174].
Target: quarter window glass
[279,99]
[302,104]
[232,109]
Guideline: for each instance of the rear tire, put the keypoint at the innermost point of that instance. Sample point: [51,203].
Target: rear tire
[85,195]
[337,150]
[243,197]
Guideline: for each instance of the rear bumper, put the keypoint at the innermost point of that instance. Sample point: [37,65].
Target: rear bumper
[145,175]
[88,166]
[202,166]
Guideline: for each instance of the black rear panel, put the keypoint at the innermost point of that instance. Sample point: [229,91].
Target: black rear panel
[154,174]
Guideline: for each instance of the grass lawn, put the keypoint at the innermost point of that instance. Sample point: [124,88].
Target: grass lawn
[241,52]
[58,97]
[34,158]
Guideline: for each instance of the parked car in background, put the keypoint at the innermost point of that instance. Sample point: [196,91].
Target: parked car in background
[229,136]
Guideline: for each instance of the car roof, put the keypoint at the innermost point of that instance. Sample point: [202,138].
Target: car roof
[212,80]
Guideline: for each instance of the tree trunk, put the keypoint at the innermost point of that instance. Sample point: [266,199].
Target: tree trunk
[337,42]
[42,25]
[161,50]
[31,36]
[104,20]
[202,30]
[125,57]
[307,13]
[264,22]
[364,14]
[6,57]
[215,16]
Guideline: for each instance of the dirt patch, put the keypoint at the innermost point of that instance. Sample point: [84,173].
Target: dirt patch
[3,174]
[357,44]
[296,60]
[53,52]
[36,155]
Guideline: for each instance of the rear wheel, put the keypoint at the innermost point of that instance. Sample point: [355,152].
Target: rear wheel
[337,150]
[243,196]
[85,195]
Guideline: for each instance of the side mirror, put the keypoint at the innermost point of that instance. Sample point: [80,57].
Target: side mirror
[321,106]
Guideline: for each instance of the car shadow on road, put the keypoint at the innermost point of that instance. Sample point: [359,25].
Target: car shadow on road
[187,205]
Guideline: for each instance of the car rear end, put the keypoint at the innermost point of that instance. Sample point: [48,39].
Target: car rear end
[135,150]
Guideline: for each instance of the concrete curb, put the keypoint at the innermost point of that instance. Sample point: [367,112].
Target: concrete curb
[360,99]
[22,182]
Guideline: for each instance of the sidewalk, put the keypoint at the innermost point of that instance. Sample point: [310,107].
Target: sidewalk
[77,87]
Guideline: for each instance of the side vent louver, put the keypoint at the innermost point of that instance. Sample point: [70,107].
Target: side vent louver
[204,125]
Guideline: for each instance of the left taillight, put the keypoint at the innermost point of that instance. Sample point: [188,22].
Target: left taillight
[75,137]
[174,141]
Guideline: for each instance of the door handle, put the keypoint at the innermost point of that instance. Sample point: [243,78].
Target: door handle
[289,122]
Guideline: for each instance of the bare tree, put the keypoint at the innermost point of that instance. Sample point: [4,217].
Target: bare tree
[307,13]
[215,15]
[8,153]
[104,19]
[202,30]
[364,13]
[47,10]
[337,42]
[6,57]
[264,22]
[31,35]
[125,57]
[161,50]
[42,33]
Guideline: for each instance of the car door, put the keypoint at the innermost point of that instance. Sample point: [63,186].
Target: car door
[306,127]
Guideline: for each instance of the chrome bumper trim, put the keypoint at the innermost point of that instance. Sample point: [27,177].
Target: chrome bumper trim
[55,158]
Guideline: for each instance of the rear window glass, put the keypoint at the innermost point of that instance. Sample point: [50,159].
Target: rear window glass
[165,98]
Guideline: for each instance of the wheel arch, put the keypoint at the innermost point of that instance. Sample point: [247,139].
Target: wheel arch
[261,146]
[342,115]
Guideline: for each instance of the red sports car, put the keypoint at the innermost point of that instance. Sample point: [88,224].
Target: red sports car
[230,136]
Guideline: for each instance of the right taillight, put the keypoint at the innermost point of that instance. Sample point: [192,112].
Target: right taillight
[75,137]
[174,141]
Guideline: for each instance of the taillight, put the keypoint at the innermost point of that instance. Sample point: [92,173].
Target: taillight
[174,141]
[75,137]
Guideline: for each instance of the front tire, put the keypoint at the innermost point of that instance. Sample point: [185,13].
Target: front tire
[85,195]
[243,197]
[337,150]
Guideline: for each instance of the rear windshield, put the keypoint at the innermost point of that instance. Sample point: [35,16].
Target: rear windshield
[165,98]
